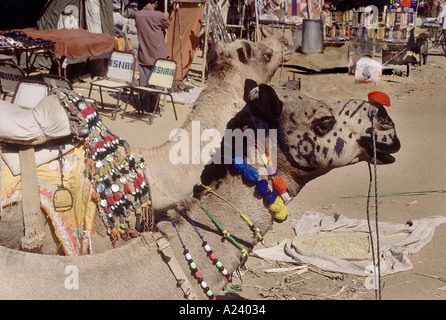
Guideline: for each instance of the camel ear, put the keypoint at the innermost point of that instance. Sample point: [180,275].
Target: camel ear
[269,106]
[249,94]
[219,47]
[244,53]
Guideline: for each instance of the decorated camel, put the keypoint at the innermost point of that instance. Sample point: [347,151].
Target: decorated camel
[200,243]
[219,101]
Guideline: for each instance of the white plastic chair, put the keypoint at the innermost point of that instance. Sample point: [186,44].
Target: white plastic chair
[120,75]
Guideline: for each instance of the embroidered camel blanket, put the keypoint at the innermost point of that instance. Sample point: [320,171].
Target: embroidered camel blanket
[338,244]
[74,226]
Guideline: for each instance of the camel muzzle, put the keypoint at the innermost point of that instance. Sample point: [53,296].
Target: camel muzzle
[382,125]
[287,50]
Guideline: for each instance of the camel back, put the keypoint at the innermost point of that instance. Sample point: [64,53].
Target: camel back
[114,177]
[46,127]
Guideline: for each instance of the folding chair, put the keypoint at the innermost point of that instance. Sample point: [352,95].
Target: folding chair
[62,82]
[56,81]
[120,75]
[10,75]
[28,93]
[161,81]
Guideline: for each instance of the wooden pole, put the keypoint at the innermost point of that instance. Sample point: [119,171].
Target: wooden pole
[242,20]
[257,21]
[34,233]
[309,8]
[206,34]
[165,10]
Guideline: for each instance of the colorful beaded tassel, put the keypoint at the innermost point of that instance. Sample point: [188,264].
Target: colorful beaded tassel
[194,269]
[250,175]
[278,183]
[211,254]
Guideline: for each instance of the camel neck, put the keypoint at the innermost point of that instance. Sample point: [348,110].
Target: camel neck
[229,236]
[185,150]
[225,233]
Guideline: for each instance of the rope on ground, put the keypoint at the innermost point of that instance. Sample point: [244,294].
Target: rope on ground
[397,194]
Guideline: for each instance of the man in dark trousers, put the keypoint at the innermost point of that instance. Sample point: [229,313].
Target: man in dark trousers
[151,25]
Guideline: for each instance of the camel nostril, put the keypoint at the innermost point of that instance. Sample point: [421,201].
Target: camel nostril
[384,121]
[388,125]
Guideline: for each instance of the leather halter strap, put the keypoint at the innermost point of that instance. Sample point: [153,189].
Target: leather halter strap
[169,257]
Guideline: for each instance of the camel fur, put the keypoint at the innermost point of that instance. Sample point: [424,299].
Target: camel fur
[137,271]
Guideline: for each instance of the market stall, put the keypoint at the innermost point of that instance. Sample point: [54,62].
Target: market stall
[389,21]
[380,30]
[62,45]
[16,44]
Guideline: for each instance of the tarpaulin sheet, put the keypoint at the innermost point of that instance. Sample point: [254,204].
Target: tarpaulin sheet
[75,43]
[190,17]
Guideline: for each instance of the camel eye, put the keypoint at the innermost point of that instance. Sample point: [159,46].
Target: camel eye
[323,125]
[268,56]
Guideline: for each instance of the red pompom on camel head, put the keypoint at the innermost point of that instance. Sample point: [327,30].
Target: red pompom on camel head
[377,99]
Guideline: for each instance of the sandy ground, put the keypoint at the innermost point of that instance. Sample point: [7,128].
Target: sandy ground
[419,111]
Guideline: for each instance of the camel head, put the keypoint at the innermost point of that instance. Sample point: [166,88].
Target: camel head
[316,136]
[259,60]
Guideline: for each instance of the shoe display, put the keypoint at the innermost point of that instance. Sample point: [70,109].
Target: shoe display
[18,39]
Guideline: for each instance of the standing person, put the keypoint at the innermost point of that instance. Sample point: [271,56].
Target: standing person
[442,15]
[151,25]
[325,18]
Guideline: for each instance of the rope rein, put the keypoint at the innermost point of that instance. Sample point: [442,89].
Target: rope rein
[376,261]
[242,215]
[225,232]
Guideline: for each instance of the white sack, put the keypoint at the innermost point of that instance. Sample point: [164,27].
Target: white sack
[368,70]
[17,123]
[48,120]
[52,118]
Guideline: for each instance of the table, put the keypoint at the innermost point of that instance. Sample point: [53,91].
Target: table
[30,52]
[280,24]
[74,43]
[295,28]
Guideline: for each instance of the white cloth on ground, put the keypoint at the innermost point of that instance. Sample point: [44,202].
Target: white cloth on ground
[397,243]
